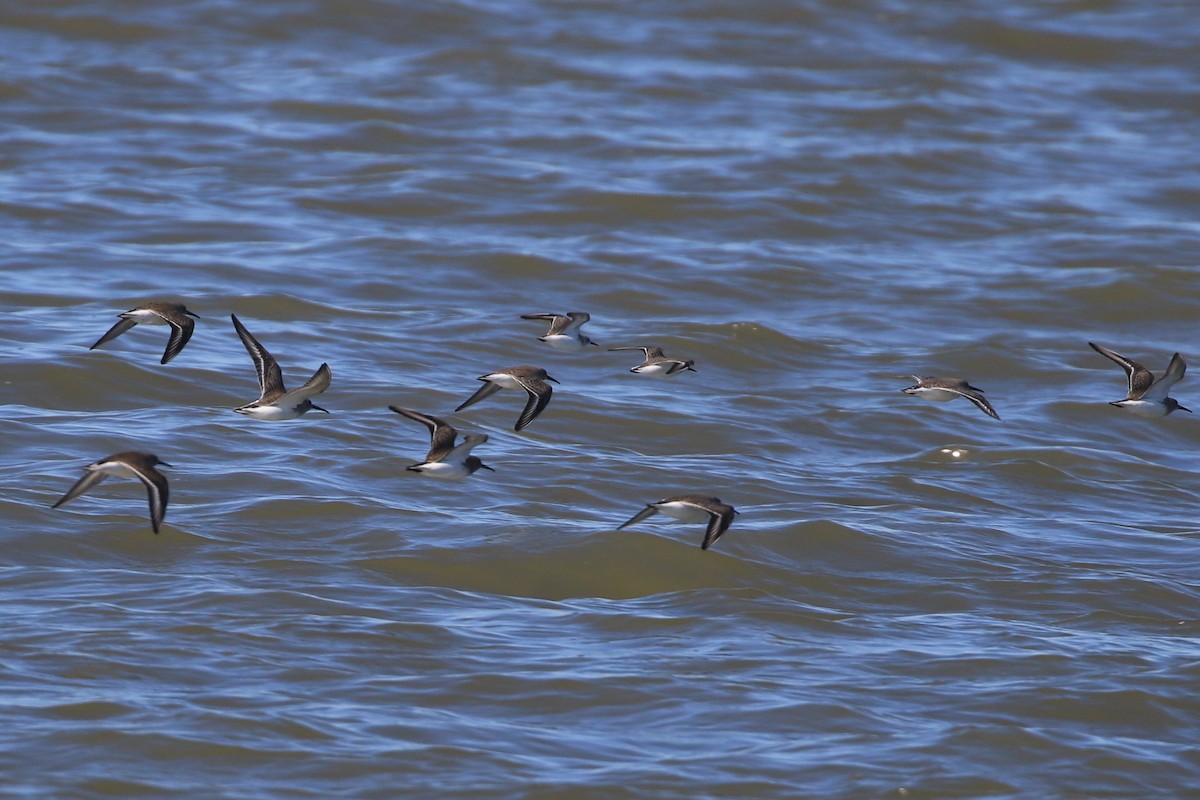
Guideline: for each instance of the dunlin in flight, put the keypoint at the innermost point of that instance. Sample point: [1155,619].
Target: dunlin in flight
[445,459]
[942,389]
[1147,397]
[274,401]
[174,314]
[692,508]
[531,380]
[564,331]
[129,464]
[657,365]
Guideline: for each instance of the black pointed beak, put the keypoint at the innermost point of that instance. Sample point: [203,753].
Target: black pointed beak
[552,379]
[1181,408]
[318,408]
[165,464]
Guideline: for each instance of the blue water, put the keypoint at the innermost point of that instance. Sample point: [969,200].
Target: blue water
[814,201]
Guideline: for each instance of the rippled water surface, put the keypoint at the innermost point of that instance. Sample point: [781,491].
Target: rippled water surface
[812,200]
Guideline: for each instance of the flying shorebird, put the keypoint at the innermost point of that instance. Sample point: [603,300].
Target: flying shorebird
[942,389]
[564,331]
[129,464]
[274,401]
[530,379]
[445,460]
[692,508]
[174,314]
[657,365]
[1147,397]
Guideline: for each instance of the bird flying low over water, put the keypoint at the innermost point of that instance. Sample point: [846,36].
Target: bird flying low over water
[174,314]
[656,364]
[445,459]
[531,380]
[564,331]
[942,389]
[274,401]
[692,508]
[129,464]
[1147,397]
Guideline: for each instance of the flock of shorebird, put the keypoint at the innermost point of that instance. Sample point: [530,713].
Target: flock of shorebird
[449,458]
